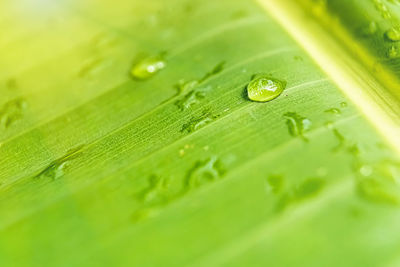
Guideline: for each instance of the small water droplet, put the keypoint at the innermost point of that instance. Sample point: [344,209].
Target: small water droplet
[57,168]
[329,125]
[145,213]
[298,58]
[265,88]
[340,138]
[156,191]
[382,8]
[217,69]
[185,86]
[309,188]
[393,34]
[297,124]
[370,29]
[204,172]
[343,104]
[12,111]
[192,98]
[197,123]
[366,170]
[89,67]
[393,52]
[378,190]
[275,183]
[148,67]
[334,111]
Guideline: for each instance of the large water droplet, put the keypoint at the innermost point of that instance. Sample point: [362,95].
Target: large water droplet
[146,68]
[265,88]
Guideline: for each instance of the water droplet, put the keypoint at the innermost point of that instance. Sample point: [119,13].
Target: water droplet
[334,111]
[378,190]
[298,58]
[263,89]
[382,8]
[12,111]
[329,124]
[217,69]
[354,150]
[89,67]
[57,168]
[148,67]
[297,124]
[185,86]
[340,138]
[370,29]
[393,52]
[393,34]
[309,188]
[366,170]
[145,213]
[204,172]
[192,98]
[275,183]
[197,123]
[343,104]
[157,190]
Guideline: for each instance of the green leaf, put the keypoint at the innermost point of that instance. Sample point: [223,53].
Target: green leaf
[128,136]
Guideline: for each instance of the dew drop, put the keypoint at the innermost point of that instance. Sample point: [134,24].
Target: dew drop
[57,168]
[393,52]
[265,88]
[309,188]
[204,172]
[370,29]
[156,191]
[297,124]
[192,98]
[378,190]
[275,183]
[329,125]
[343,104]
[366,170]
[12,111]
[197,123]
[334,111]
[148,67]
[393,34]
